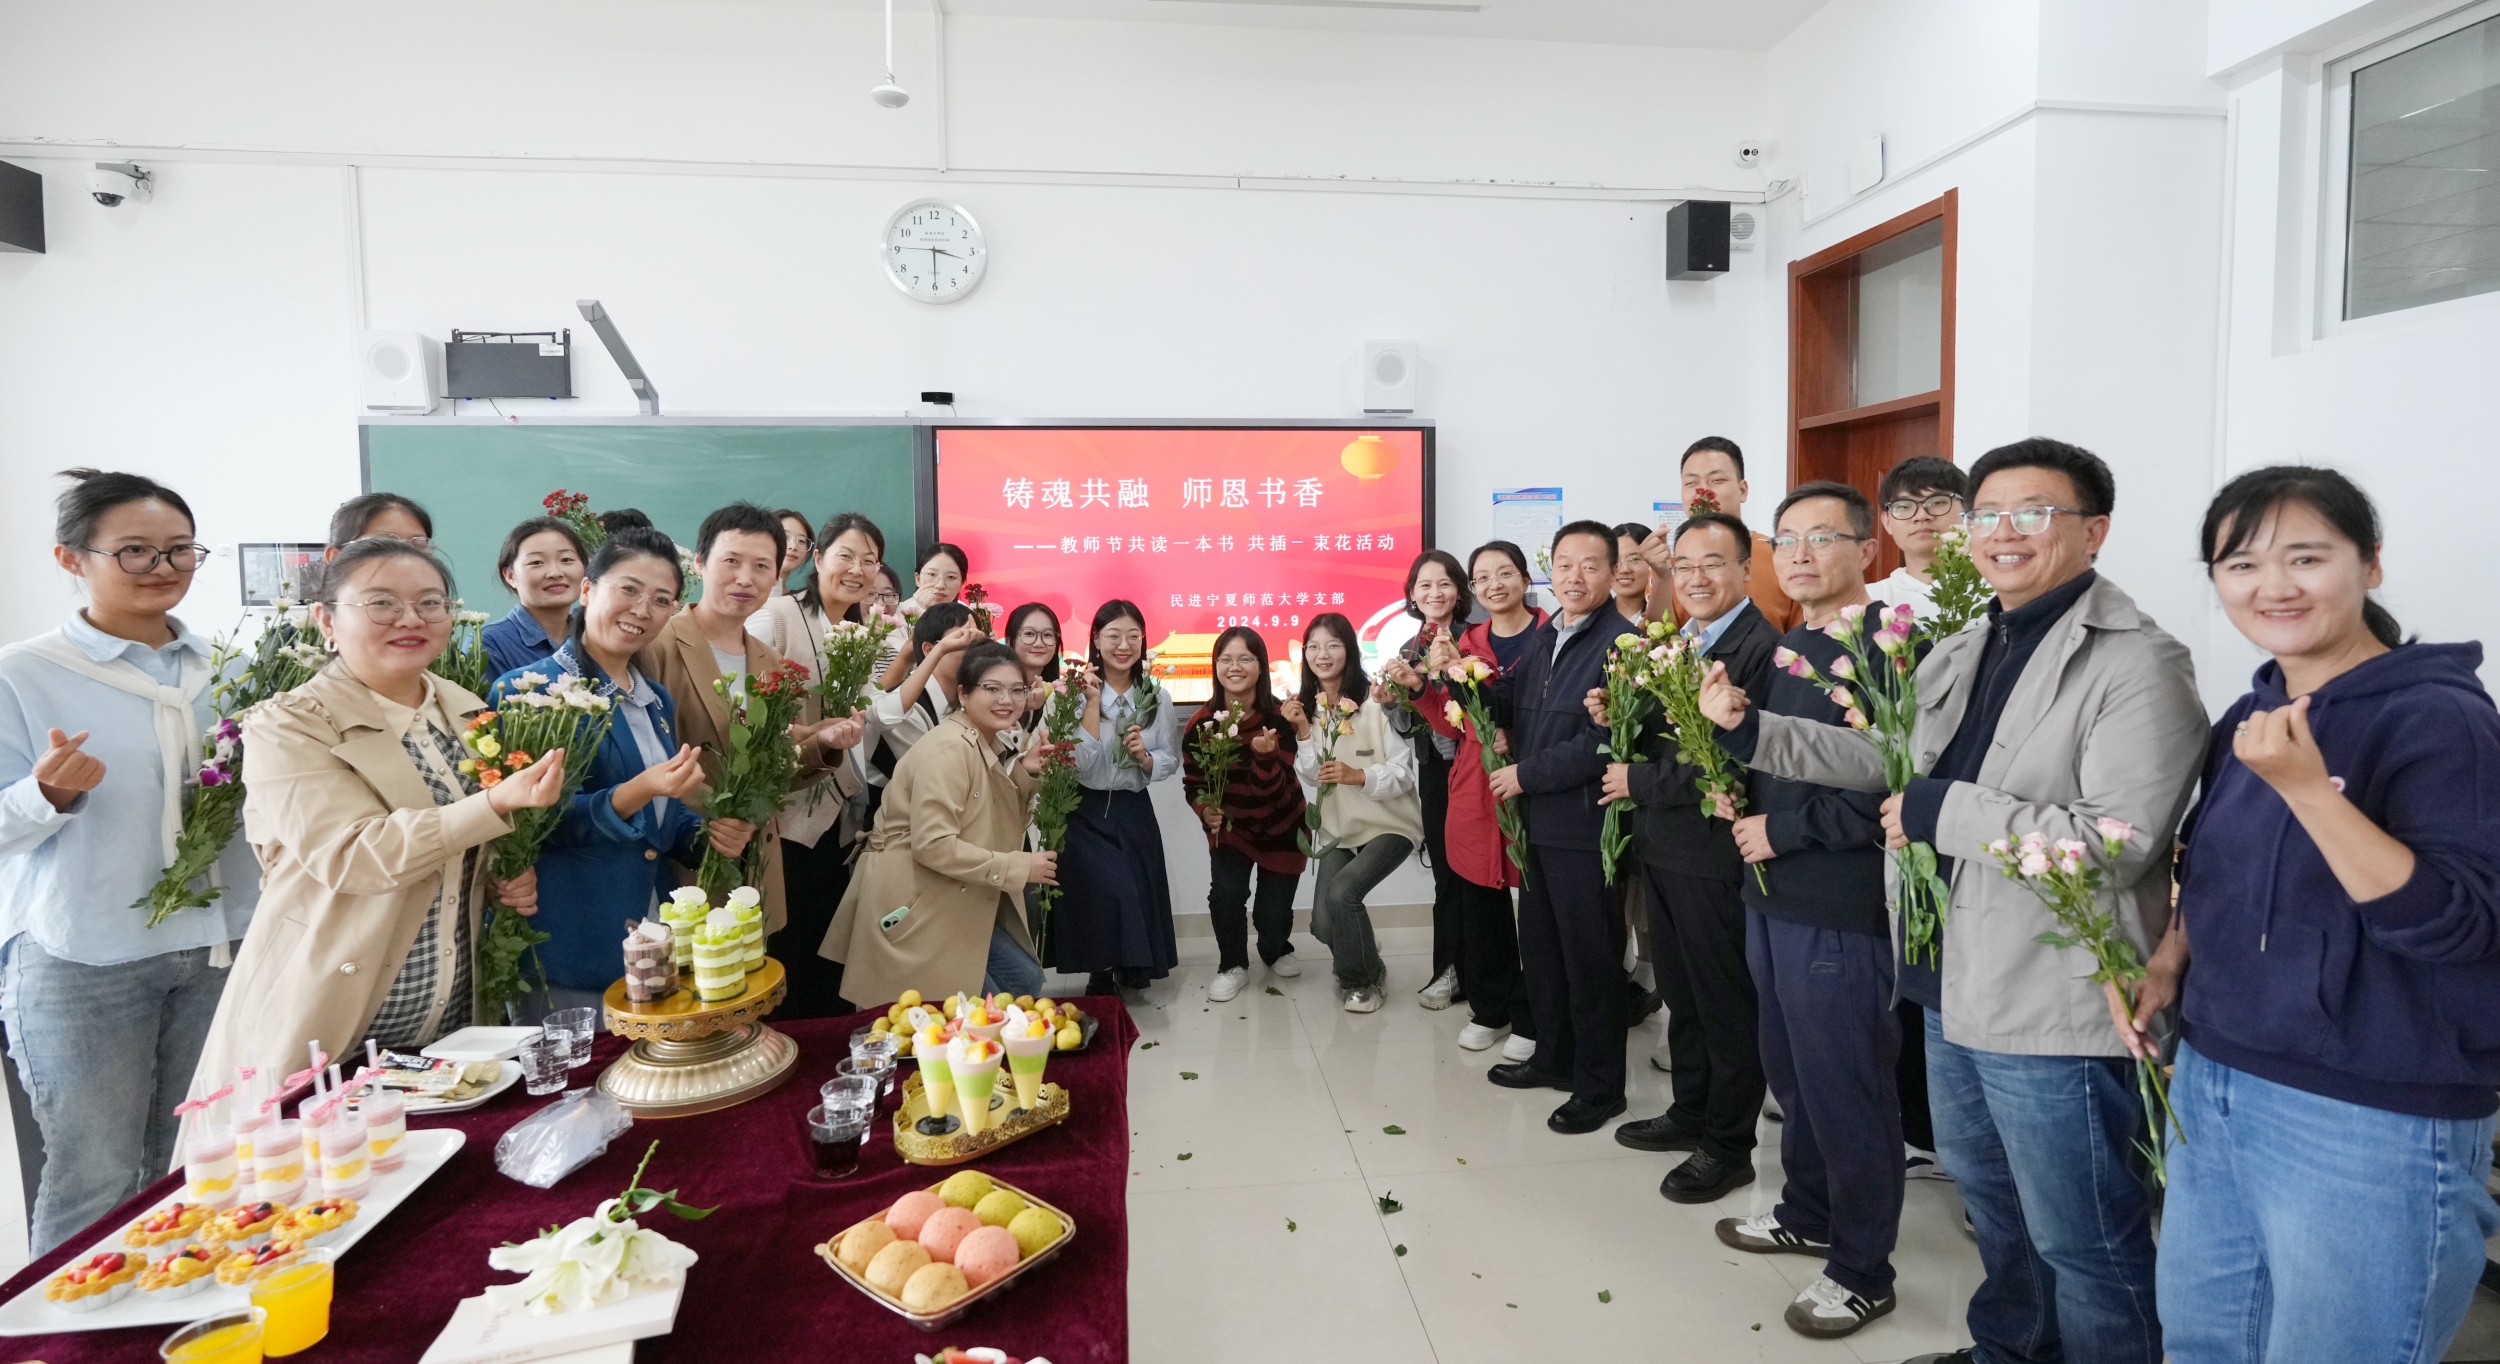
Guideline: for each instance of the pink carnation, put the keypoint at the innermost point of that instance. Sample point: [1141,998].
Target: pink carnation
[2035,862]
[2114,830]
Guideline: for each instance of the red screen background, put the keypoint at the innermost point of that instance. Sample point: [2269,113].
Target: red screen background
[1203,529]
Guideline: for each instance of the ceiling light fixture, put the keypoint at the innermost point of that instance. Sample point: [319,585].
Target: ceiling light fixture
[890,95]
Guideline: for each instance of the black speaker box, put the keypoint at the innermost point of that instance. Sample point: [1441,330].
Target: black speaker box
[21,209]
[1697,239]
[509,365]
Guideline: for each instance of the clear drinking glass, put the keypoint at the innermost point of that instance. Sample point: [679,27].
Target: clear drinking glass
[545,1061]
[877,1068]
[878,1046]
[576,1027]
[227,1338]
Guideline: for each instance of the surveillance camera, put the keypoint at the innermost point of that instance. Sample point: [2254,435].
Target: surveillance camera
[113,181]
[890,95]
[1749,152]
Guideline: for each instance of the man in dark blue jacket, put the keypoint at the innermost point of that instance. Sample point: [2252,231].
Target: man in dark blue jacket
[1570,933]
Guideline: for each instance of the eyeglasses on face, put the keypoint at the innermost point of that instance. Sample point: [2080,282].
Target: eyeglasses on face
[136,559]
[1004,691]
[635,594]
[1037,634]
[2026,520]
[1819,541]
[384,609]
[1935,505]
[1714,565]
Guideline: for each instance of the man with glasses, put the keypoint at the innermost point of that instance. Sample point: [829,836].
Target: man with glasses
[1714,468]
[1921,498]
[2069,709]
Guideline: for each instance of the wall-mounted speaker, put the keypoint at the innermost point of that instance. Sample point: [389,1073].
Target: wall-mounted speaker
[1389,374]
[1744,226]
[1697,239]
[21,209]
[400,373]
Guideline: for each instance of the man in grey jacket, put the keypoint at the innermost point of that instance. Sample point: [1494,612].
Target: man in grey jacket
[2062,706]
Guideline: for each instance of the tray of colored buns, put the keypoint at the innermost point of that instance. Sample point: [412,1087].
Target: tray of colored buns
[178,1262]
[939,1252]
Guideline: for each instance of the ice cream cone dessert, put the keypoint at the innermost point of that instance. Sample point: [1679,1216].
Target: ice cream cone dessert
[974,1061]
[982,1022]
[1028,1044]
[937,1078]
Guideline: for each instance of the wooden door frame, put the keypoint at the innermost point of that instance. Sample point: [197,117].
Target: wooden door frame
[1802,364]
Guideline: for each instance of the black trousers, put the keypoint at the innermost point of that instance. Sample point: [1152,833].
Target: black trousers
[812,882]
[1229,907]
[1918,1126]
[1488,965]
[1571,951]
[1449,906]
[1697,946]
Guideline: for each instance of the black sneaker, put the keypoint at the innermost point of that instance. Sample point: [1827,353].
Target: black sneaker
[1525,1075]
[1704,1178]
[1577,1116]
[1827,1311]
[1661,1133]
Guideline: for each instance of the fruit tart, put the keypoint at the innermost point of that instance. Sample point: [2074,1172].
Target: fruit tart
[242,1226]
[182,1273]
[261,1261]
[100,1281]
[315,1222]
[175,1224]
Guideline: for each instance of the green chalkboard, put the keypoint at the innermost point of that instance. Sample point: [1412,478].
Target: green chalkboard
[479,480]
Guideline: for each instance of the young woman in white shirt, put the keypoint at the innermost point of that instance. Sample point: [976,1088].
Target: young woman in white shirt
[1114,923]
[1370,820]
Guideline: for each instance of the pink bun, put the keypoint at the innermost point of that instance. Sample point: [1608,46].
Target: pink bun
[987,1253]
[911,1212]
[945,1230]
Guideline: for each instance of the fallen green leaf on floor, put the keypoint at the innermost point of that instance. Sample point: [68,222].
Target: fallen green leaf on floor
[1514,1306]
[1462,1160]
[1390,1204]
[1605,1295]
[1189,1075]
[1184,1155]
[1276,992]
[1473,1275]
[1145,1046]
[1401,1250]
[1757,1326]
[1289,1226]
[1394,1130]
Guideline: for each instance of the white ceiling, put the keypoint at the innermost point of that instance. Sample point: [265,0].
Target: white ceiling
[1743,24]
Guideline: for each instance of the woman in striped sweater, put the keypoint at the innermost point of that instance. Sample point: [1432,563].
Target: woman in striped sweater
[1257,826]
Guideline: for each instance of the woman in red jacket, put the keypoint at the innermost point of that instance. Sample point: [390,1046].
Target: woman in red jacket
[1259,823]
[1497,998]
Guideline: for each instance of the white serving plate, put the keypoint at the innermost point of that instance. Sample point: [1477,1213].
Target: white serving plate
[482,1044]
[422,1107]
[28,1314]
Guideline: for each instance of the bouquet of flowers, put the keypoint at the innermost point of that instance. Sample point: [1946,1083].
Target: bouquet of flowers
[1631,668]
[849,660]
[1062,716]
[463,662]
[1676,683]
[284,657]
[1468,707]
[755,771]
[2058,874]
[534,717]
[1330,724]
[573,509]
[977,599]
[1395,697]
[1149,696]
[1881,662]
[1961,594]
[1217,744]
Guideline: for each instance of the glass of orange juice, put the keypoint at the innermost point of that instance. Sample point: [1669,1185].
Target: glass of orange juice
[297,1299]
[226,1338]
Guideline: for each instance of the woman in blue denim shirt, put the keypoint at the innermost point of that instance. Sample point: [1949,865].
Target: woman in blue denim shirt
[541,563]
[608,860]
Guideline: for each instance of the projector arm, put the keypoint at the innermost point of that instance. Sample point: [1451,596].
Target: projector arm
[618,351]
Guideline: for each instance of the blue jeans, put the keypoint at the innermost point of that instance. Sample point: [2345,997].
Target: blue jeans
[1010,968]
[105,1053]
[2301,1228]
[2043,1151]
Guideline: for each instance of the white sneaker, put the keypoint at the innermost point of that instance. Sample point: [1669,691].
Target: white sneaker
[1476,1037]
[1918,1164]
[1825,1310]
[1227,984]
[1437,994]
[1363,1001]
[1519,1048]
[1287,966]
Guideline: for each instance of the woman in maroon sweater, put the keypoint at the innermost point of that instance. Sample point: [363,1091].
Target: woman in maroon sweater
[1260,823]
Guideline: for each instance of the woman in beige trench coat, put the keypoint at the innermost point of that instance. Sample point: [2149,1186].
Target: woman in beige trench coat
[361,840]
[947,849]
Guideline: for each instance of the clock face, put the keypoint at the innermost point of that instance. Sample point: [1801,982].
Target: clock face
[934,251]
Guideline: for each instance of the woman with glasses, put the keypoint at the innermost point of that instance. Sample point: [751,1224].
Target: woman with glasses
[100,742]
[541,565]
[937,904]
[798,546]
[1921,498]
[629,827]
[368,832]
[1033,632]
[1436,595]
[1364,790]
[1256,826]
[819,829]
[1114,923]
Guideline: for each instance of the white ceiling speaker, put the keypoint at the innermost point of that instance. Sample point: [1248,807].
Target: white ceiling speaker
[1741,227]
[890,95]
[1389,376]
[400,373]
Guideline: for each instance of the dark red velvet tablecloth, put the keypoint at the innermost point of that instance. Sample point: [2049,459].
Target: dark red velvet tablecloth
[759,1291]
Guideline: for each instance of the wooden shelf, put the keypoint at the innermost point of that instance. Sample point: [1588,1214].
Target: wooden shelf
[1916,403]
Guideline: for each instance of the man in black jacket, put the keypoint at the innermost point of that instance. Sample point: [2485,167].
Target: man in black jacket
[1697,909]
[1570,933]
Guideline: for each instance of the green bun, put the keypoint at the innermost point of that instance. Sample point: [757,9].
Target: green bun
[998,1208]
[965,1188]
[1034,1228]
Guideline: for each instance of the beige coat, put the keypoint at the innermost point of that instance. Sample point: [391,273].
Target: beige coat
[948,842]
[352,851]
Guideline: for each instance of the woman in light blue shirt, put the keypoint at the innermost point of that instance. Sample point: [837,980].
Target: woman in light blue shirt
[1114,923]
[101,723]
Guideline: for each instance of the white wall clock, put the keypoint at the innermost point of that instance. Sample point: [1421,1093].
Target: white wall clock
[934,251]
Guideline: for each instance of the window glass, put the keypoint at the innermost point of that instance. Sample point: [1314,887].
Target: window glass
[2425,223]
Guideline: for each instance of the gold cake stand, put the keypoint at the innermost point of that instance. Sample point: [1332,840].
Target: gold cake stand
[690,1057]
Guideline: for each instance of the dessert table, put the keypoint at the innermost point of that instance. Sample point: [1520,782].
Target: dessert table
[759,1290]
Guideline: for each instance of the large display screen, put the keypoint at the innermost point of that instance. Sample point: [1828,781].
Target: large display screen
[1204,528]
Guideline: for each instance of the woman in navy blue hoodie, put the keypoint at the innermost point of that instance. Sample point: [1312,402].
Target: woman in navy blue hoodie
[2340,1063]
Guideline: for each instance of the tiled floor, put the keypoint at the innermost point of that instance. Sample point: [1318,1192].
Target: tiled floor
[1266,1242]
